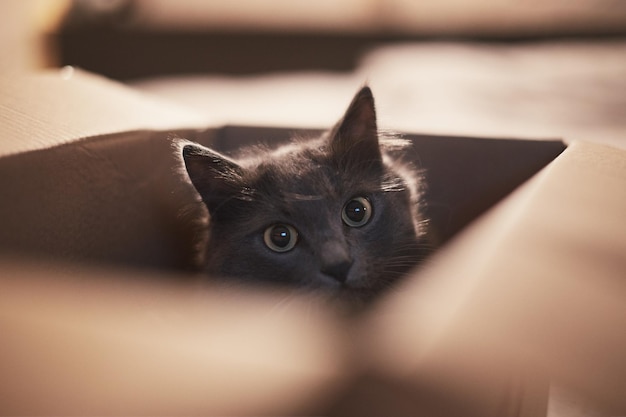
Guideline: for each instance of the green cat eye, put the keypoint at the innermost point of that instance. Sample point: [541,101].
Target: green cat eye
[357,212]
[280,237]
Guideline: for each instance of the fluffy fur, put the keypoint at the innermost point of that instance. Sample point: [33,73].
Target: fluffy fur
[307,185]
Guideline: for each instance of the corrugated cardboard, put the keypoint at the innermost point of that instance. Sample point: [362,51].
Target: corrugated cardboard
[536,285]
[40,111]
[527,288]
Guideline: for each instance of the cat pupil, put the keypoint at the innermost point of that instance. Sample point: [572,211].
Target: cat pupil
[357,212]
[361,230]
[280,237]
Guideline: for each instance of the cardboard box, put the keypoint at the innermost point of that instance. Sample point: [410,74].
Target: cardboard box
[100,315]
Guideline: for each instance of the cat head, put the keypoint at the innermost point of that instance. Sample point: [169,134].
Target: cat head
[335,213]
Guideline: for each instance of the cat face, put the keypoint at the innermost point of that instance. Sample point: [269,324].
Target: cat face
[334,213]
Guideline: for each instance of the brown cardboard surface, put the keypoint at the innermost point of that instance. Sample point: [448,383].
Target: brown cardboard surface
[42,110]
[81,181]
[120,198]
[536,285]
[79,341]
[532,290]
[115,199]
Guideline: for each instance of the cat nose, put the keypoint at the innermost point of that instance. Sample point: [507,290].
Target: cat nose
[338,270]
[336,261]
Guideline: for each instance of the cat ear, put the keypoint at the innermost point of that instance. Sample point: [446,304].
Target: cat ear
[355,137]
[216,177]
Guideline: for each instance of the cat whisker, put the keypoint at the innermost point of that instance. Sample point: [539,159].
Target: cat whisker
[302,186]
[282,305]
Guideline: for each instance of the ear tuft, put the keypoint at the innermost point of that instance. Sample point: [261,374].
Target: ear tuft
[216,177]
[355,138]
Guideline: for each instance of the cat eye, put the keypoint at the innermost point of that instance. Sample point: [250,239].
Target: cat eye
[357,212]
[280,237]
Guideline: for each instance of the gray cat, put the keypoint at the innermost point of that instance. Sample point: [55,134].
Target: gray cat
[335,213]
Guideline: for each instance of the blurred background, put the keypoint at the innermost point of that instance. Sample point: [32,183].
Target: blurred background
[530,69]
[130,39]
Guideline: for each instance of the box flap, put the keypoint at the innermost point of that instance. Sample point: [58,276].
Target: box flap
[42,110]
[536,285]
[123,199]
[79,341]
